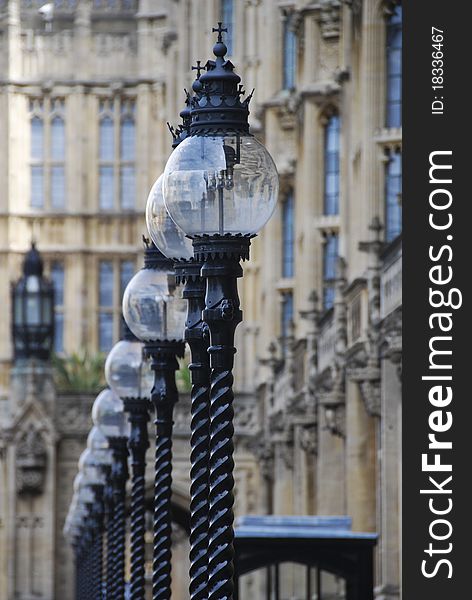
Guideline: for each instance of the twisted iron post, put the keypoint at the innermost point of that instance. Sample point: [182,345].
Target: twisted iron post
[119,476]
[164,395]
[98,513]
[197,337]
[138,444]
[221,268]
[108,529]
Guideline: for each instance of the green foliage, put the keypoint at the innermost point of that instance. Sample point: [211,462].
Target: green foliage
[79,372]
[184,384]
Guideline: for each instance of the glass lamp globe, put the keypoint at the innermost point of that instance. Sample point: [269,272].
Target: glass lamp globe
[89,466]
[220,185]
[82,489]
[109,416]
[98,443]
[153,307]
[127,372]
[169,238]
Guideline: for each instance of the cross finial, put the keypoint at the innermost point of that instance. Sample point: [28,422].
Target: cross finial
[198,68]
[219,30]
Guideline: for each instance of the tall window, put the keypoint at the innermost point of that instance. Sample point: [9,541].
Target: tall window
[287,313]
[117,154]
[394,68]
[289,55]
[288,237]
[57,277]
[47,153]
[227,18]
[330,255]
[331,166]
[113,277]
[393,191]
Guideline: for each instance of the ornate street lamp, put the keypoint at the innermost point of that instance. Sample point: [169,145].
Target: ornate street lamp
[86,498]
[108,415]
[102,458]
[220,187]
[155,313]
[174,244]
[89,466]
[33,310]
[129,375]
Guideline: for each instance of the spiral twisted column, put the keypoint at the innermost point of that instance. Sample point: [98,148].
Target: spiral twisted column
[220,256]
[138,443]
[164,395]
[197,337]
[107,521]
[118,477]
[98,514]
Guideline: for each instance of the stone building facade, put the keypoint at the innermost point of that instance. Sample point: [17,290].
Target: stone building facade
[84,101]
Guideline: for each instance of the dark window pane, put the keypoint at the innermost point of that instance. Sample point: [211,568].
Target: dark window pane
[58,332]
[393,189]
[57,139]
[289,56]
[226,13]
[330,256]
[126,273]
[288,240]
[127,187]
[37,138]
[105,332]
[331,166]
[106,187]
[37,187]
[107,146]
[394,68]
[57,276]
[58,187]
[127,150]
[105,283]
[287,312]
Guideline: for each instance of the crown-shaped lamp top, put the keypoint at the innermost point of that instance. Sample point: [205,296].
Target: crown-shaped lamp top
[217,107]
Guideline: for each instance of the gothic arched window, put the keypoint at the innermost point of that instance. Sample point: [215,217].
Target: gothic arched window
[288,236]
[394,67]
[227,18]
[393,190]
[330,256]
[289,49]
[331,165]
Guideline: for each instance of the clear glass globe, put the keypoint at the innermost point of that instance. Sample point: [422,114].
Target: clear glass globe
[169,238]
[99,445]
[153,307]
[89,466]
[109,416]
[82,489]
[127,372]
[220,185]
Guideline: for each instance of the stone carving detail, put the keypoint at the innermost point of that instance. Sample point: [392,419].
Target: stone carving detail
[31,462]
[329,18]
[309,438]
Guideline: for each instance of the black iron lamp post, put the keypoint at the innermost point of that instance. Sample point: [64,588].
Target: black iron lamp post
[108,415]
[102,456]
[33,310]
[129,376]
[89,466]
[86,497]
[72,531]
[155,313]
[220,187]
[174,244]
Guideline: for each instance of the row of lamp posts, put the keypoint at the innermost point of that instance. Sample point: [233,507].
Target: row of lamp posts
[218,189]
